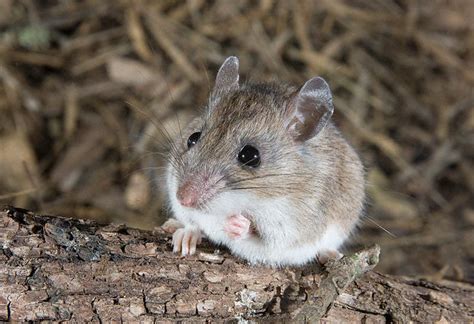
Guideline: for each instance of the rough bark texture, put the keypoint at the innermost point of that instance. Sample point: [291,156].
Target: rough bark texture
[54,268]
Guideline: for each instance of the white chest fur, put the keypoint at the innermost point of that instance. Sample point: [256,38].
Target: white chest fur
[276,244]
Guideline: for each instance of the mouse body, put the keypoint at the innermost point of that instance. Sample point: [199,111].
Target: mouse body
[264,172]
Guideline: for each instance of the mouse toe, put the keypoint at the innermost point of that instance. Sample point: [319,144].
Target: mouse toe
[185,240]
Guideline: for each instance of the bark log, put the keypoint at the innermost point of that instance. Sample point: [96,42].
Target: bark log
[55,268]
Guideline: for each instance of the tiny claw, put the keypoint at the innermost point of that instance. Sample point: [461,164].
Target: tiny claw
[185,240]
[178,239]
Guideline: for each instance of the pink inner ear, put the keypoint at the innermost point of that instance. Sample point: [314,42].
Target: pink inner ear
[309,110]
[309,115]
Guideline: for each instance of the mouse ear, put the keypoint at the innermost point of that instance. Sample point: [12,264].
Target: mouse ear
[227,78]
[310,110]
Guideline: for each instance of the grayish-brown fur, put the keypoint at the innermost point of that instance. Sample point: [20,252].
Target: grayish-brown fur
[323,176]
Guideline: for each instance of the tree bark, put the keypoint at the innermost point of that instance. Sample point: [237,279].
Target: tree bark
[55,268]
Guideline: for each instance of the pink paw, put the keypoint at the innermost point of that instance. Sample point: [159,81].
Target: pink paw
[171,225]
[237,227]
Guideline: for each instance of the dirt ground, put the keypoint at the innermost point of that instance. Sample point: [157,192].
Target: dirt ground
[79,81]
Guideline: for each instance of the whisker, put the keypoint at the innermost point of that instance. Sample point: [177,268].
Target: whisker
[174,150]
[170,93]
[265,187]
[381,227]
[230,175]
[269,175]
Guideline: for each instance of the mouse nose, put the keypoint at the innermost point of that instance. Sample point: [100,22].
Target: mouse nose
[187,195]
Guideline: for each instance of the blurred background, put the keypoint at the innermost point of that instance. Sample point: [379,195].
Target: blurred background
[84,85]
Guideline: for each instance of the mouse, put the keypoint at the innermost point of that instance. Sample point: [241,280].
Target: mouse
[265,172]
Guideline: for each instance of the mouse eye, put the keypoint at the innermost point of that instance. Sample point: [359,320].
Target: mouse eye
[249,156]
[192,140]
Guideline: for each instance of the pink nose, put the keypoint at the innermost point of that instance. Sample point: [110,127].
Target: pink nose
[187,195]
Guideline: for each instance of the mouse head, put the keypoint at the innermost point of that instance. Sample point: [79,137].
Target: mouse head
[251,141]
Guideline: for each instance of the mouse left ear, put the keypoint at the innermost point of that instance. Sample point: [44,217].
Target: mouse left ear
[227,78]
[309,110]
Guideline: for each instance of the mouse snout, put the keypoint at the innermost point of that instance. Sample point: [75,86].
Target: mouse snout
[193,193]
[188,195]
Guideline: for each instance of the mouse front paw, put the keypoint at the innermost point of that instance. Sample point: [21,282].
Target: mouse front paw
[238,227]
[185,240]
[171,225]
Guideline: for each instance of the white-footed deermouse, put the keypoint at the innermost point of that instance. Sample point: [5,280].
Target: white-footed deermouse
[264,172]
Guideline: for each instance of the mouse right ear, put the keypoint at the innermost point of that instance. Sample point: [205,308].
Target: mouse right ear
[310,110]
[227,78]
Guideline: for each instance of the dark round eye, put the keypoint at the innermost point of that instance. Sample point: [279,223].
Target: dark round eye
[192,140]
[249,156]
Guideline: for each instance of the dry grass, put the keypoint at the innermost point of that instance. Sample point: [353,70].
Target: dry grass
[402,73]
